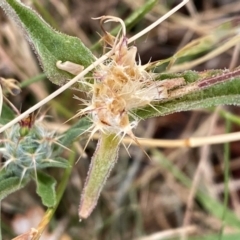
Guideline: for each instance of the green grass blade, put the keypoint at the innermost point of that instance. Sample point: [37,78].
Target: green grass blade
[226,168]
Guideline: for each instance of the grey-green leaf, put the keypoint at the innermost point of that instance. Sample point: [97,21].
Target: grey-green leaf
[7,115]
[10,184]
[46,189]
[56,162]
[101,165]
[73,133]
[49,45]
[223,93]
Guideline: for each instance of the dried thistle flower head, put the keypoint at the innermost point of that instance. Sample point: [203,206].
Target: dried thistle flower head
[11,85]
[121,85]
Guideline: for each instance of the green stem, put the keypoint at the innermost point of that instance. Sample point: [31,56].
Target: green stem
[226,178]
[32,80]
[101,165]
[230,116]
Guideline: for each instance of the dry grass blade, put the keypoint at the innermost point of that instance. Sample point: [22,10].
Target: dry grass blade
[182,143]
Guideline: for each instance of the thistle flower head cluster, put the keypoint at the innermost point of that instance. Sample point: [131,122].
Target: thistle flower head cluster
[120,85]
[27,147]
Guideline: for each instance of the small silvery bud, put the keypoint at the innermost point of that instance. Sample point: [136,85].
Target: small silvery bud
[27,147]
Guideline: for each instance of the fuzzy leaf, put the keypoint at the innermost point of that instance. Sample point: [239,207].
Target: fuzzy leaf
[101,165]
[4,174]
[56,162]
[10,184]
[46,189]
[7,115]
[214,94]
[49,45]
[73,133]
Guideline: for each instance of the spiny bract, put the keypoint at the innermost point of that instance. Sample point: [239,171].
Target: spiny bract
[27,148]
[119,86]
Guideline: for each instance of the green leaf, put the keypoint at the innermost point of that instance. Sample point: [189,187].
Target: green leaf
[7,115]
[101,165]
[4,174]
[216,237]
[138,14]
[46,189]
[73,133]
[10,184]
[56,162]
[49,45]
[213,95]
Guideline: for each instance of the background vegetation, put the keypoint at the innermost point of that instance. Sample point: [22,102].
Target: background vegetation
[141,199]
